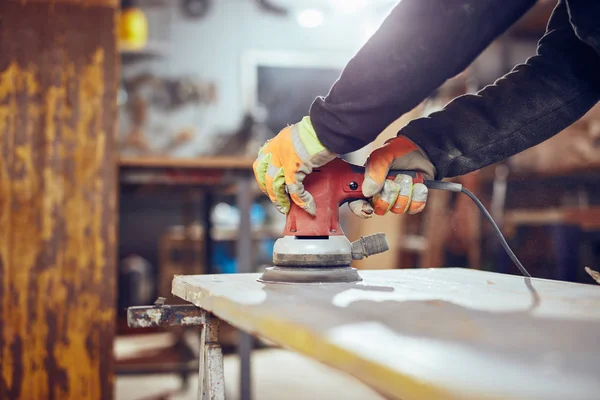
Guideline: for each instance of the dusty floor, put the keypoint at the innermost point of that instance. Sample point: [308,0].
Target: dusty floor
[277,374]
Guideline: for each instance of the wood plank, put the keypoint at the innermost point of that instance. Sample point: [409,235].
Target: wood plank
[212,162]
[58,81]
[440,333]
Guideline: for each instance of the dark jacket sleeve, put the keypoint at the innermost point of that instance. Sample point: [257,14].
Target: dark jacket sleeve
[420,45]
[529,105]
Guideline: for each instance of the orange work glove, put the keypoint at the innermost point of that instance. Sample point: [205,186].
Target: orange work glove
[284,161]
[400,196]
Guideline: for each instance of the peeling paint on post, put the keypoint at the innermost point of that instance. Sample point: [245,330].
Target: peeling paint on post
[166,315]
[58,82]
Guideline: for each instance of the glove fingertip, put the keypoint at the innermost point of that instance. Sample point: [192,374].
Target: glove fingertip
[370,188]
[361,208]
[420,192]
[416,208]
[310,207]
[285,207]
[304,200]
[367,210]
[279,207]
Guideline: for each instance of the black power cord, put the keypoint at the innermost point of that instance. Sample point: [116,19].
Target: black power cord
[458,188]
[501,237]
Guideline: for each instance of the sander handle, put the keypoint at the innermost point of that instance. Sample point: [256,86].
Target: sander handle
[417,178]
[332,185]
[360,170]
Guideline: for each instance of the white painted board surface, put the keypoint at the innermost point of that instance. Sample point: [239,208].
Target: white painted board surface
[426,333]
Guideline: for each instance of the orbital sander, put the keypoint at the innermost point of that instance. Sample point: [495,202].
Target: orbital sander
[314,249]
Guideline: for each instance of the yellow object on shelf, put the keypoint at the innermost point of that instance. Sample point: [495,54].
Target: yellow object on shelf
[133,32]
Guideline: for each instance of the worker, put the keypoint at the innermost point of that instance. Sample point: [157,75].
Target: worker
[420,45]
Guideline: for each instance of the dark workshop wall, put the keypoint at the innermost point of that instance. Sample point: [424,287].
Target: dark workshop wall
[145,216]
[58,81]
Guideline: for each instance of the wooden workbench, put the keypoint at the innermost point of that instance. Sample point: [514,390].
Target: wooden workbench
[426,333]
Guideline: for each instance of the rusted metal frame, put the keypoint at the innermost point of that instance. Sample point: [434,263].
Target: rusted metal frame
[165,315]
[211,382]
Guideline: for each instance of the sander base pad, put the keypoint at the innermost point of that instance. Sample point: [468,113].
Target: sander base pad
[315,275]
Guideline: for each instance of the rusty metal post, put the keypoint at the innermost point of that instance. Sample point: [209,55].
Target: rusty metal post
[211,382]
[59,74]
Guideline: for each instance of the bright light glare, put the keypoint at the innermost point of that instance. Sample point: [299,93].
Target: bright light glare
[348,6]
[310,18]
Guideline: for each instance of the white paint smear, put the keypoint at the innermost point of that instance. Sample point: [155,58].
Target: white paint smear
[458,367]
[494,302]
[496,294]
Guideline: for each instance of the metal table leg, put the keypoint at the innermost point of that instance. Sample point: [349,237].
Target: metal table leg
[211,381]
[244,258]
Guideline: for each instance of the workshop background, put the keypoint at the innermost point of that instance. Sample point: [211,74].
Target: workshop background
[172,99]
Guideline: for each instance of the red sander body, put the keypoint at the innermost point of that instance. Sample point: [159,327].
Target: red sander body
[314,249]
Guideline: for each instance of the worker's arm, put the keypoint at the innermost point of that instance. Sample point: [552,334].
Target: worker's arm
[535,101]
[420,45]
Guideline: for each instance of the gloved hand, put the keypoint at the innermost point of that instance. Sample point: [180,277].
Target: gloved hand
[285,160]
[400,196]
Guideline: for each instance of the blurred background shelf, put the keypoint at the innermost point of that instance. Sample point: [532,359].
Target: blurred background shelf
[201,162]
[223,171]
[150,51]
[229,234]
